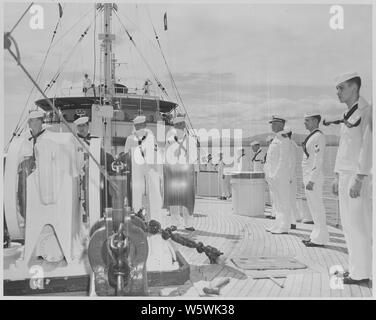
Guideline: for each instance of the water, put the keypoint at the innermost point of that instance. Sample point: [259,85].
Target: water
[330,201]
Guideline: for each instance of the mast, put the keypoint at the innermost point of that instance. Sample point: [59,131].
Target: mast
[107,37]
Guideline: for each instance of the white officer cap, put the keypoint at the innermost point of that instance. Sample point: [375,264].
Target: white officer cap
[253,143]
[81,120]
[277,119]
[36,114]
[312,113]
[139,120]
[344,77]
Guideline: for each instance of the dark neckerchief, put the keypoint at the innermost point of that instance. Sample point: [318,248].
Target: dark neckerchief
[241,156]
[85,138]
[140,141]
[180,143]
[345,119]
[304,144]
[34,138]
[256,154]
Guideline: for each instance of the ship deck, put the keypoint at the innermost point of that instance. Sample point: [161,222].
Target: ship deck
[243,237]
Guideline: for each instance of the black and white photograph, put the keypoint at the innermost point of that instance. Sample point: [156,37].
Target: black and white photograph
[188,150]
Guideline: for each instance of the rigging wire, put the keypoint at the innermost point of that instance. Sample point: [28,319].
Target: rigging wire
[19,20]
[21,122]
[170,74]
[61,67]
[95,44]
[72,27]
[17,57]
[160,86]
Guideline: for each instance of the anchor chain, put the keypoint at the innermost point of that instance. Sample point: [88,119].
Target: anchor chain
[154,227]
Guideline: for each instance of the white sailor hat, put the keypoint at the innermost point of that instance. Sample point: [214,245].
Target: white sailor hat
[344,77]
[254,142]
[139,120]
[178,119]
[81,120]
[36,114]
[312,113]
[277,119]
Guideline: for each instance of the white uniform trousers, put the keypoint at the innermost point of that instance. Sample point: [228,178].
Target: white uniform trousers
[356,217]
[272,201]
[176,212]
[320,233]
[281,200]
[224,189]
[294,213]
[139,186]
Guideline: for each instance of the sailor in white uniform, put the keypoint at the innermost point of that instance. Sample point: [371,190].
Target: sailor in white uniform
[35,122]
[242,161]
[278,177]
[294,149]
[142,146]
[268,141]
[257,157]
[86,84]
[353,177]
[313,179]
[223,180]
[182,150]
[82,125]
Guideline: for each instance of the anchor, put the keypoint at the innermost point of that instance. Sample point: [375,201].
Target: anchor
[118,248]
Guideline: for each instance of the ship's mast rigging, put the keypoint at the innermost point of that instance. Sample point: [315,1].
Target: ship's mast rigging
[107,38]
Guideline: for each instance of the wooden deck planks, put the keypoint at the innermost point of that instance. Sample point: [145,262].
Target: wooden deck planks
[246,236]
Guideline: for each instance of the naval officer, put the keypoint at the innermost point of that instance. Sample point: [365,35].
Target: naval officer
[352,182]
[313,179]
[257,157]
[278,177]
[182,150]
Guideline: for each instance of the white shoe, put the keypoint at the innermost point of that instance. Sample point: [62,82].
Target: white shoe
[279,232]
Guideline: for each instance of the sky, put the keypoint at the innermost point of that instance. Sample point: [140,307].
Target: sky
[235,65]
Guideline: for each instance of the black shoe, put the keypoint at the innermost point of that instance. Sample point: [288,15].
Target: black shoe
[190,229]
[293,226]
[312,244]
[348,280]
[271,217]
[306,240]
[308,222]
